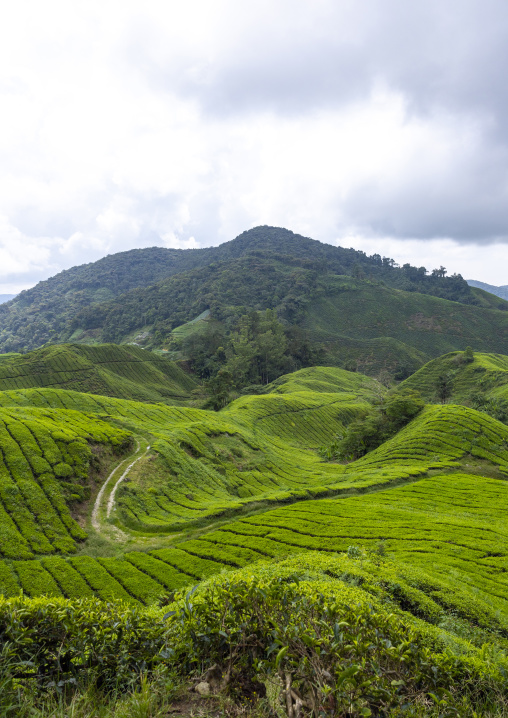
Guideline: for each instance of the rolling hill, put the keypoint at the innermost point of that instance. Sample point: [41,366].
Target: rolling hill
[109,505]
[484,378]
[126,372]
[436,494]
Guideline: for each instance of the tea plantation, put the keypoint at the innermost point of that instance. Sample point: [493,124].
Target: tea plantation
[124,371]
[485,373]
[412,536]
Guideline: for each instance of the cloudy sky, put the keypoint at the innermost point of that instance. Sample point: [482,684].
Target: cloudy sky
[380,125]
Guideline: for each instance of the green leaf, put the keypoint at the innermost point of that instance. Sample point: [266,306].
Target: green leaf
[280,656]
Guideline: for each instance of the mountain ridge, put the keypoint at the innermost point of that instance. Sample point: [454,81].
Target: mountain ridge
[43,313]
[501,291]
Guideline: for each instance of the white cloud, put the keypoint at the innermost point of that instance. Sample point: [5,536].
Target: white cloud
[136,123]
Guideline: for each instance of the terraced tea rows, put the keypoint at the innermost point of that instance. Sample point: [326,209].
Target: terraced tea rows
[452,525]
[126,372]
[486,374]
[261,448]
[44,460]
[207,463]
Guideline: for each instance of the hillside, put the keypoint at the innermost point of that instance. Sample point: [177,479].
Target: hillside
[125,372]
[357,321]
[481,380]
[47,311]
[498,291]
[109,505]
[259,451]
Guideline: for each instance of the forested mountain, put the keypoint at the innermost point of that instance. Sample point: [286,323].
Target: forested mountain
[48,311]
[361,323]
[498,291]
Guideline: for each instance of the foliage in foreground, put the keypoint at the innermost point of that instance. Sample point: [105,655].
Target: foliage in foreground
[312,638]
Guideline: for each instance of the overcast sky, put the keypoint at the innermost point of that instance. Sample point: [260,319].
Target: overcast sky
[376,124]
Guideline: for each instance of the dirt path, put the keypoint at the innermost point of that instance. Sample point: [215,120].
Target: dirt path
[96,521]
[111,500]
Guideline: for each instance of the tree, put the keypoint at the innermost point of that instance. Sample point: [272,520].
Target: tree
[444,387]
[219,387]
[468,356]
[378,425]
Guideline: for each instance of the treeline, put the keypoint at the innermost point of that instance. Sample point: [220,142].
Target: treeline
[257,350]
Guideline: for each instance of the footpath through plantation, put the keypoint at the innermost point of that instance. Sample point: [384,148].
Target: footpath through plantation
[323,548]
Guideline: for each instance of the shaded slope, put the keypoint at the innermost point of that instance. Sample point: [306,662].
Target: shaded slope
[46,312]
[360,321]
[126,372]
[363,311]
[492,289]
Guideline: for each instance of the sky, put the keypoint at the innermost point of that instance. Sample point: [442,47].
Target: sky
[380,125]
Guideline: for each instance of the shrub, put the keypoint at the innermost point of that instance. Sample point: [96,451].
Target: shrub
[330,651]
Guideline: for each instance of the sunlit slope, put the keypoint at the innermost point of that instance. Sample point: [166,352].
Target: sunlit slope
[326,380]
[126,372]
[436,494]
[445,523]
[263,449]
[430,325]
[44,462]
[440,436]
[451,526]
[488,373]
[203,463]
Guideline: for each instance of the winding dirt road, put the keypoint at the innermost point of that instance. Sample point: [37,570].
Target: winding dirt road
[96,511]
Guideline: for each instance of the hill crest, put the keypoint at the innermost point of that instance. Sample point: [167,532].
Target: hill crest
[45,312]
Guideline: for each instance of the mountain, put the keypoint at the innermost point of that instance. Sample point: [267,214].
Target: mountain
[361,322]
[125,372]
[6,297]
[498,291]
[47,312]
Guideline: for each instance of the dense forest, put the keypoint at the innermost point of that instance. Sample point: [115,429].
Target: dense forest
[49,311]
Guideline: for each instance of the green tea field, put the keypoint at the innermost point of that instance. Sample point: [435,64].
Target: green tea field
[127,372]
[127,502]
[435,494]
